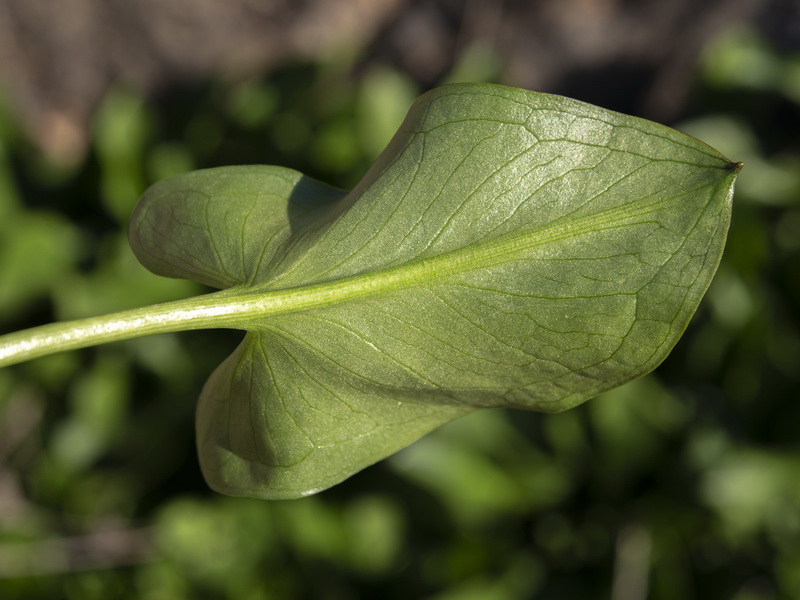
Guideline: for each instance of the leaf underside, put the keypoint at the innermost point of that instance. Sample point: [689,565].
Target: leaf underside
[508,249]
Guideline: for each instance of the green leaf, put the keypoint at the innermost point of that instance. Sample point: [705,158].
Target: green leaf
[508,249]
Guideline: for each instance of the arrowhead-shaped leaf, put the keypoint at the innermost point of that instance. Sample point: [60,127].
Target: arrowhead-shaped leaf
[508,249]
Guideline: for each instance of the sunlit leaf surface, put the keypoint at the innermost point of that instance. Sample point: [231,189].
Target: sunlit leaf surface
[508,249]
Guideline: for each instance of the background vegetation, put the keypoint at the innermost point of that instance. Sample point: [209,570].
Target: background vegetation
[684,484]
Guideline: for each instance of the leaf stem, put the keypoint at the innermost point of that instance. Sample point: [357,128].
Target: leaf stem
[193,313]
[233,308]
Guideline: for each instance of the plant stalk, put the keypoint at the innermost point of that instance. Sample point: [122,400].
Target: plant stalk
[201,312]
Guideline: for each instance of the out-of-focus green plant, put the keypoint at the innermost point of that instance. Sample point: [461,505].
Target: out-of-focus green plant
[658,482]
[508,249]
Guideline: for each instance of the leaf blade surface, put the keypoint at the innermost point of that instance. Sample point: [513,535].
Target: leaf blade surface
[507,249]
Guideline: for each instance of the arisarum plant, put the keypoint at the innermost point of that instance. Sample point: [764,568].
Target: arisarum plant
[507,249]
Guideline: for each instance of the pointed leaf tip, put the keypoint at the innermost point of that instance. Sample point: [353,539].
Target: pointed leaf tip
[735,166]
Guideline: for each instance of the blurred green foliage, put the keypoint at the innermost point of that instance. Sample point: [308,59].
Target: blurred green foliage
[684,484]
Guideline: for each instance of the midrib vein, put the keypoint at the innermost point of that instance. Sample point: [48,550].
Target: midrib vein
[257,305]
